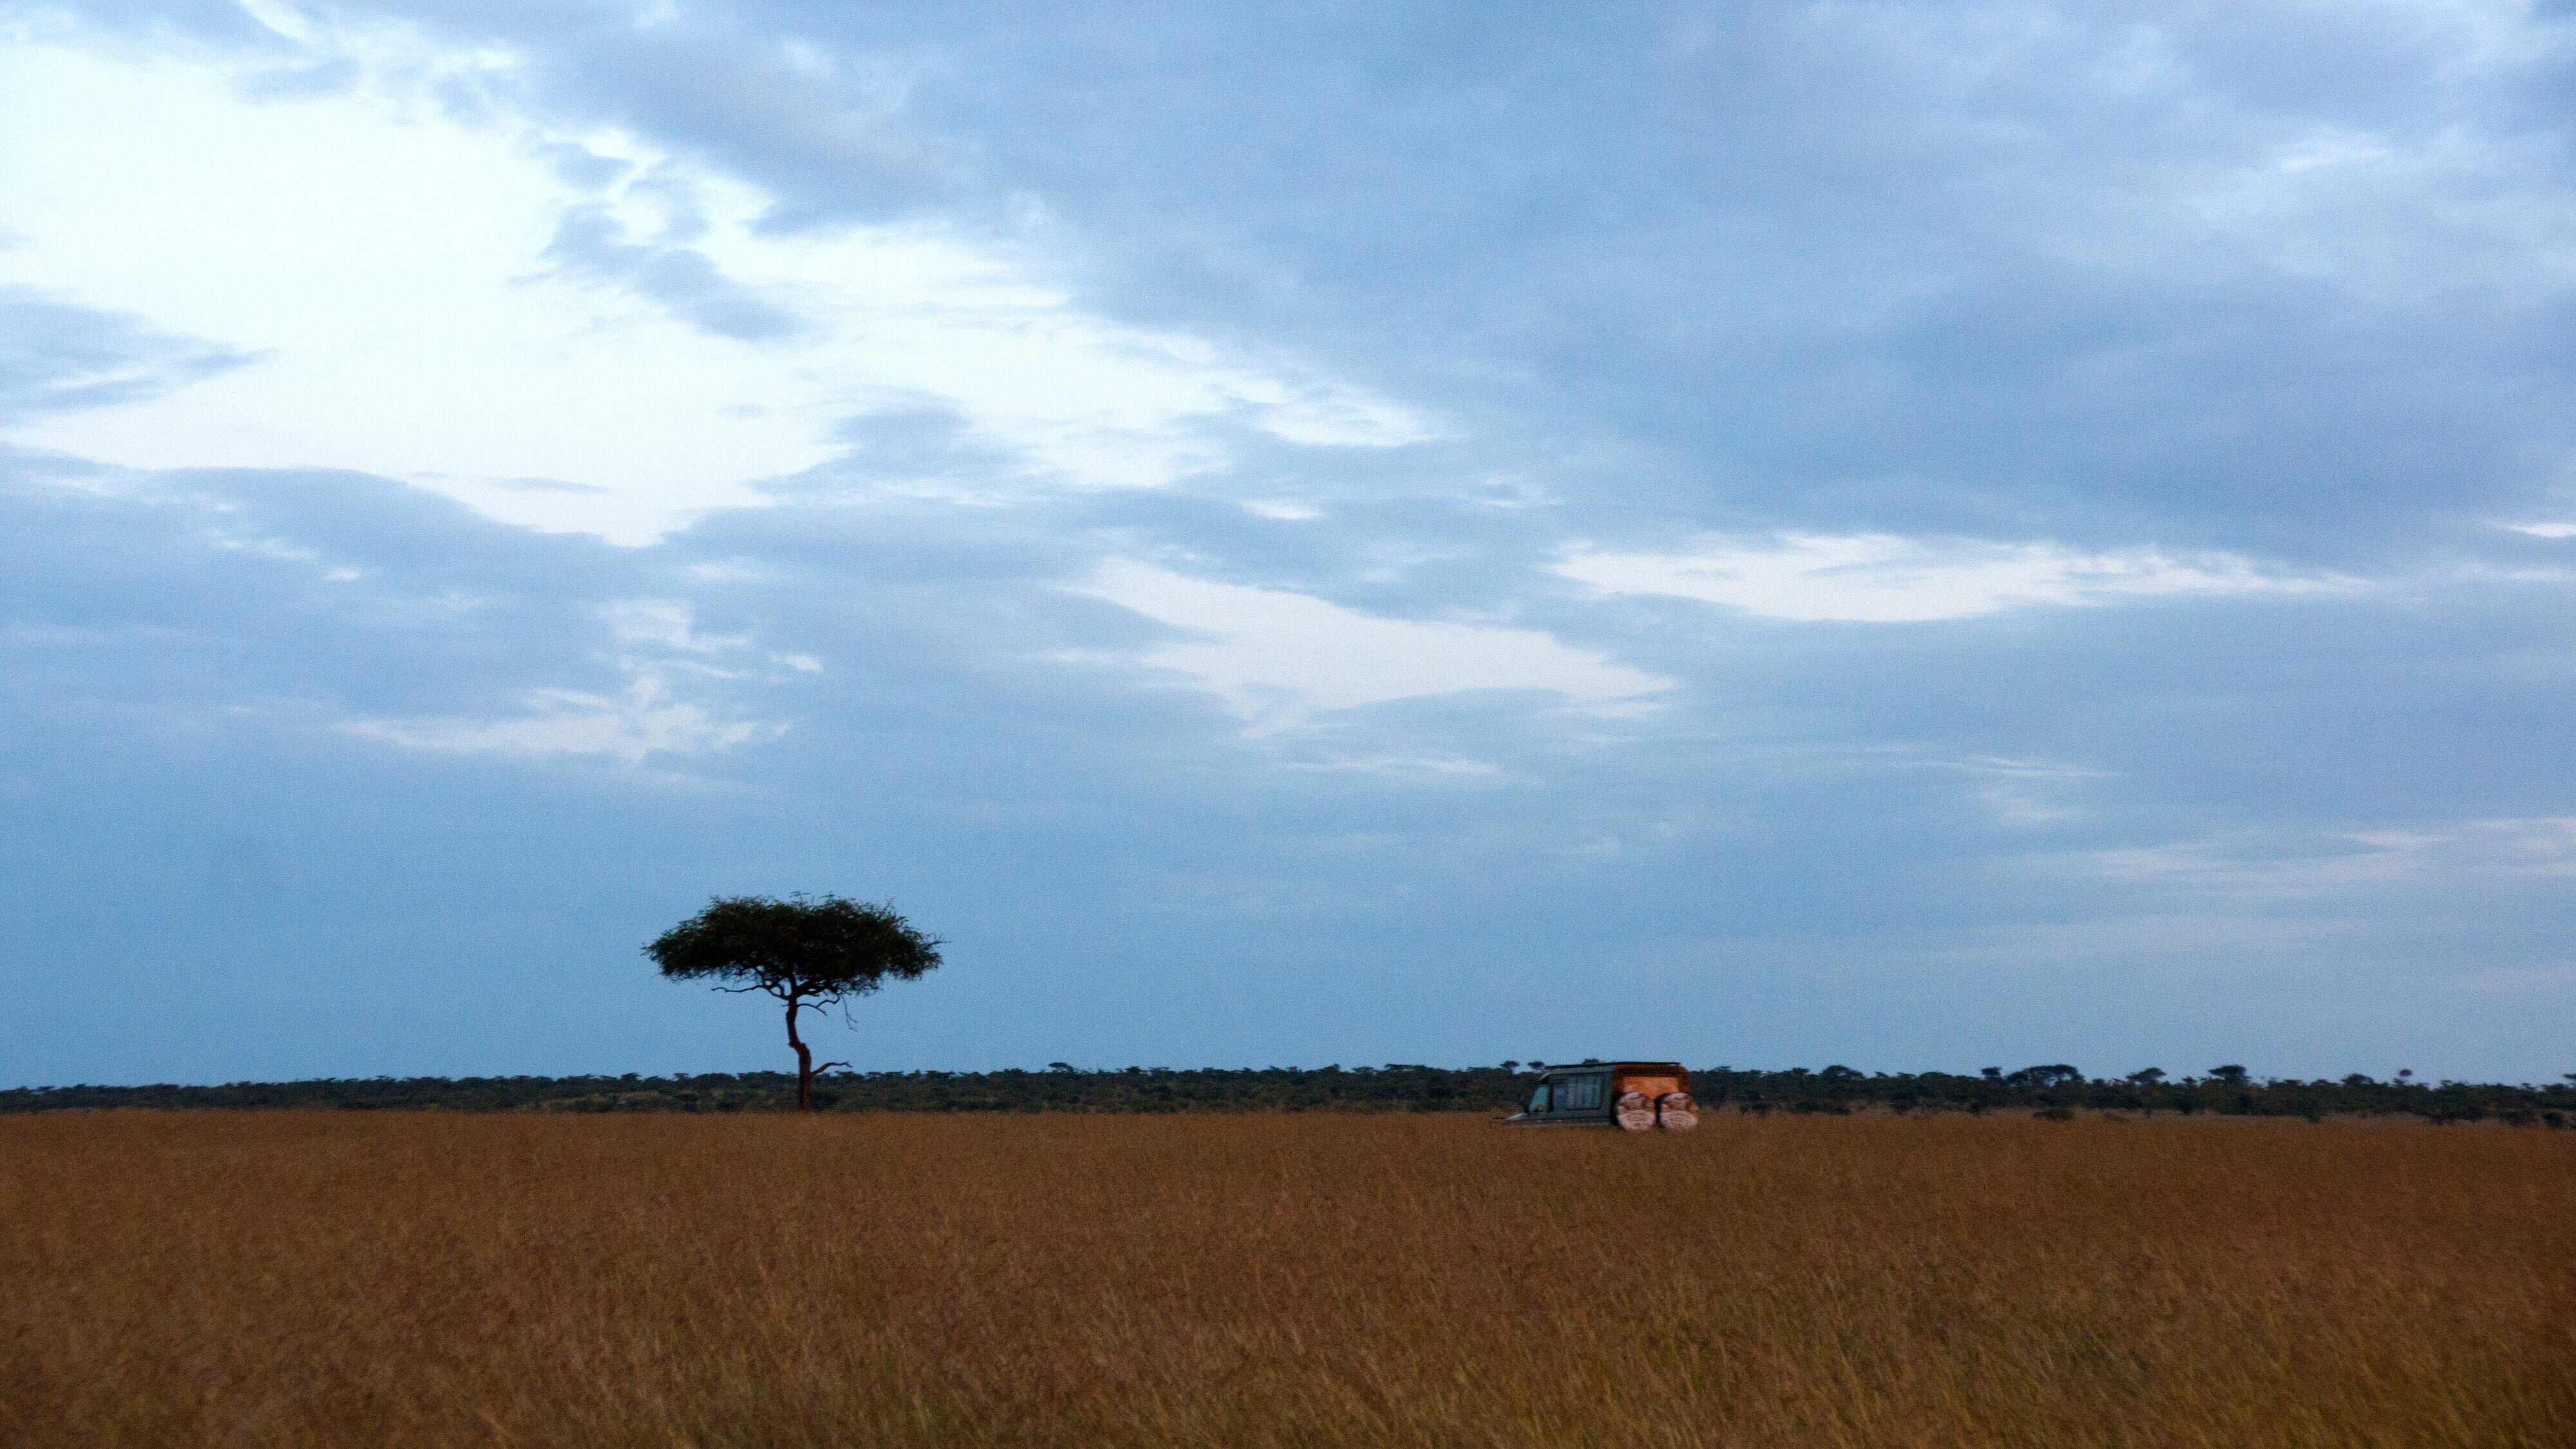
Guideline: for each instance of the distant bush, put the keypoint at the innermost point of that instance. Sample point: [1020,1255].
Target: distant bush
[2055,1092]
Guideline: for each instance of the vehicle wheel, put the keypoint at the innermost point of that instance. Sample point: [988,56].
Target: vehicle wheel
[1674,1111]
[1636,1114]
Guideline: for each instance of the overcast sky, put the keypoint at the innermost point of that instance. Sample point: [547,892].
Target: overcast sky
[1913,535]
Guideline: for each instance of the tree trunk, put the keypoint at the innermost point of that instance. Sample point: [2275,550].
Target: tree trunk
[804,1058]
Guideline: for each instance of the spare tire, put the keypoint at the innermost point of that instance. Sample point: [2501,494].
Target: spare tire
[1673,1111]
[1635,1113]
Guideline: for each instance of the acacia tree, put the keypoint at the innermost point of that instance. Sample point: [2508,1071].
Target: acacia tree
[809,954]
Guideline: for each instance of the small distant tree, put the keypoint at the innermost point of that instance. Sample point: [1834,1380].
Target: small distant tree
[808,953]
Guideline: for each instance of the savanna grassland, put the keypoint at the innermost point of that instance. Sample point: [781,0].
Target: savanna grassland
[306,1278]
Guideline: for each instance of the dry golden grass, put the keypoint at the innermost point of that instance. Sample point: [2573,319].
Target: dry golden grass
[325,1279]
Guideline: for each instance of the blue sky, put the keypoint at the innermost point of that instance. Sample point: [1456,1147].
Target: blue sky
[1921,536]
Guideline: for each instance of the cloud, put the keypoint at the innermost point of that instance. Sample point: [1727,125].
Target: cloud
[1439,769]
[433,294]
[1884,578]
[2028,793]
[2445,854]
[590,242]
[868,327]
[643,721]
[59,358]
[2264,872]
[658,646]
[2544,846]
[1277,657]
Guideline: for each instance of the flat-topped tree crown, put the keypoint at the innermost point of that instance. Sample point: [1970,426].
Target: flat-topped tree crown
[808,953]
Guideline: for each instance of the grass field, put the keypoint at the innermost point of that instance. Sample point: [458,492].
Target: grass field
[345,1278]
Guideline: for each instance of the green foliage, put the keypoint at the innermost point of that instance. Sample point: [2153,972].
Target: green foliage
[807,953]
[820,950]
[1393,1088]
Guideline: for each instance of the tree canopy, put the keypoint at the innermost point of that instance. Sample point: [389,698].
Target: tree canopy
[808,953]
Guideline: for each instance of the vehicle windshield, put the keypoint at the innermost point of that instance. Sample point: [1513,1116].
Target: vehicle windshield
[1538,1099]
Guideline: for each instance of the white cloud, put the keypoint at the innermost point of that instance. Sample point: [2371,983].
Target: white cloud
[1886,578]
[2545,530]
[1275,656]
[669,623]
[657,641]
[2246,871]
[388,262]
[2272,869]
[2543,845]
[2027,792]
[644,720]
[1414,769]
[2394,217]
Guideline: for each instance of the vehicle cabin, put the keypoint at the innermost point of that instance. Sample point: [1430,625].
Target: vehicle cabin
[1637,1096]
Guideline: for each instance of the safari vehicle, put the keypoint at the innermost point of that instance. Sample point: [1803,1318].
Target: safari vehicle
[1637,1096]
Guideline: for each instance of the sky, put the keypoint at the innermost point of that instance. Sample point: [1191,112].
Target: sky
[1919,536]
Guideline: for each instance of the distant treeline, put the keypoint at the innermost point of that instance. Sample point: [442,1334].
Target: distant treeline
[2052,1090]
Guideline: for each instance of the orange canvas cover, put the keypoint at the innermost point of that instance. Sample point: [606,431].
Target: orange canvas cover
[1653,1085]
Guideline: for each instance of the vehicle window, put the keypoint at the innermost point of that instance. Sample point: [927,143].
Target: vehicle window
[1582,1094]
[1538,1099]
